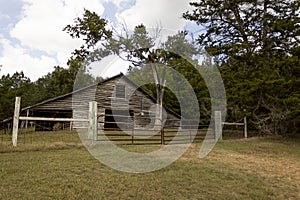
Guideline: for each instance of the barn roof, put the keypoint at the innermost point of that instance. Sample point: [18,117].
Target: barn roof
[73,92]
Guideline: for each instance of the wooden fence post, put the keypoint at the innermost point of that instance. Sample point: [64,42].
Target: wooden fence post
[16,122]
[93,122]
[245,127]
[218,125]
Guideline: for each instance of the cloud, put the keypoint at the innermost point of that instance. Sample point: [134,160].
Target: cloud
[15,58]
[118,3]
[167,13]
[110,65]
[4,16]
[36,42]
[41,25]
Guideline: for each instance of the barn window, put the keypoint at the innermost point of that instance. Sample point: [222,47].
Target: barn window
[120,91]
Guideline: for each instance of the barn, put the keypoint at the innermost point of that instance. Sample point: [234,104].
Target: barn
[119,101]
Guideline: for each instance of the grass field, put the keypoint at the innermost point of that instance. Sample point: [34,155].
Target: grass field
[257,168]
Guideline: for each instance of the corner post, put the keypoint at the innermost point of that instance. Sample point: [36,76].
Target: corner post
[16,121]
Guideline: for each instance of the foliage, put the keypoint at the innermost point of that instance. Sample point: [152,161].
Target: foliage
[141,50]
[10,87]
[56,83]
[240,29]
[91,28]
[256,44]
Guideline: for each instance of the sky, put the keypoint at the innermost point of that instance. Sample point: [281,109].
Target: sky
[32,40]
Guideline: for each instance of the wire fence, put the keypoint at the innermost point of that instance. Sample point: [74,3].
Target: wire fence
[37,134]
[120,129]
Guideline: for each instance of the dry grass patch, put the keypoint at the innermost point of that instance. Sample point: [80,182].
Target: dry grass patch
[271,158]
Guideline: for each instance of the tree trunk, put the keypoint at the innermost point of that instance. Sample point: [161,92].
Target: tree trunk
[160,88]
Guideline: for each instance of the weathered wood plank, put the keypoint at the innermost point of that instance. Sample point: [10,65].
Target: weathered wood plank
[16,121]
[53,119]
[234,124]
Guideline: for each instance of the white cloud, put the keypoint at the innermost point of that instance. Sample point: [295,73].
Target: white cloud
[41,25]
[43,44]
[4,16]
[109,66]
[117,2]
[167,13]
[14,58]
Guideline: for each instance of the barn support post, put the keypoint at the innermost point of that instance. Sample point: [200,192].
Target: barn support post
[162,135]
[16,121]
[132,130]
[27,114]
[71,126]
[218,125]
[93,129]
[190,131]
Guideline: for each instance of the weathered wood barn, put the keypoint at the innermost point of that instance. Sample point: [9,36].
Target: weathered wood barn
[119,101]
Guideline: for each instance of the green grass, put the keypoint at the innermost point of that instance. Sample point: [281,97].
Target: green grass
[257,168]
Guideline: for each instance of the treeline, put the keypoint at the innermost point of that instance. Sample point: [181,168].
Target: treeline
[257,47]
[58,82]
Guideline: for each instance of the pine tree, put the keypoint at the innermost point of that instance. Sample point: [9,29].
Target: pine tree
[256,44]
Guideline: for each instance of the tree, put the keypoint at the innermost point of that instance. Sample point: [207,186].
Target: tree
[255,44]
[138,47]
[60,81]
[10,87]
[240,29]
[92,29]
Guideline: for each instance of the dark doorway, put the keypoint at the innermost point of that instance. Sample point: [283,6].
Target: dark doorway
[118,119]
[51,125]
